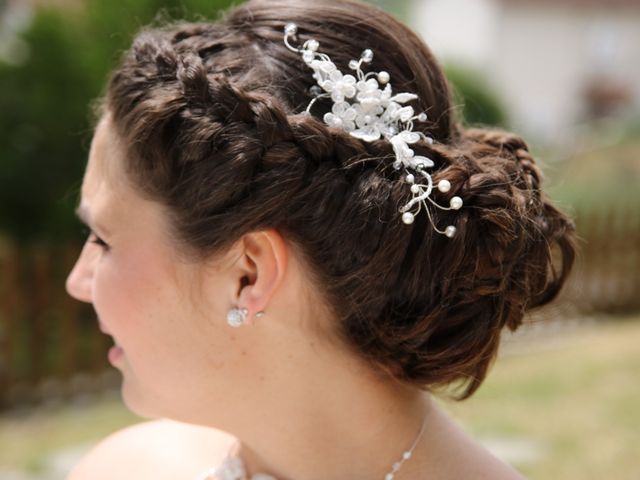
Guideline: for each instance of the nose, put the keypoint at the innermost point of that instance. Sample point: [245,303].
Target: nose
[80,279]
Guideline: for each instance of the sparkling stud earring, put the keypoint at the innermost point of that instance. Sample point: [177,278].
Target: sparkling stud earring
[237,316]
[260,314]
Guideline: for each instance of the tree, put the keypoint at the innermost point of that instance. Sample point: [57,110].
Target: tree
[45,124]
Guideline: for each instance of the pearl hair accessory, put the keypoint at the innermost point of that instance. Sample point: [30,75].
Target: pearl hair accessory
[368,112]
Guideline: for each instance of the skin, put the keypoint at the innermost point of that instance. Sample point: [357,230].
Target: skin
[291,402]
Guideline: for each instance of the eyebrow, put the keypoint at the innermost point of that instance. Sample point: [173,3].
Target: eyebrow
[83,214]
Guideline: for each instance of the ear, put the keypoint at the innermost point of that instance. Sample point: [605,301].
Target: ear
[262,263]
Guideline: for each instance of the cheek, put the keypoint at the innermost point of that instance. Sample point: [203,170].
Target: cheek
[128,288]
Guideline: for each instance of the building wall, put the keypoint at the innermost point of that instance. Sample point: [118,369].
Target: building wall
[539,57]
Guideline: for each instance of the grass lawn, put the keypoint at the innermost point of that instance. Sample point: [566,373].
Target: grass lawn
[27,442]
[574,395]
[577,400]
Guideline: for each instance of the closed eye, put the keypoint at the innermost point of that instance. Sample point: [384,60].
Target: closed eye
[93,238]
[98,241]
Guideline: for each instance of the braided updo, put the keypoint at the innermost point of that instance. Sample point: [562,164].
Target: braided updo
[210,117]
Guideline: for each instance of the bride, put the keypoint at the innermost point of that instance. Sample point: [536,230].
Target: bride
[294,244]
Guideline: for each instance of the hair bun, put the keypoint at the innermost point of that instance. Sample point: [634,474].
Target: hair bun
[211,119]
[509,146]
[515,220]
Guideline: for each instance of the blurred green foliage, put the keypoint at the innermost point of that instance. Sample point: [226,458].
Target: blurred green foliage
[44,116]
[478,104]
[45,124]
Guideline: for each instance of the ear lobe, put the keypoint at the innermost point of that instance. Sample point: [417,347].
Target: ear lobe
[264,261]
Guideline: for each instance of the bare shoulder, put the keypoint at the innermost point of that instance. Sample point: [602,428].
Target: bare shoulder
[156,449]
[460,456]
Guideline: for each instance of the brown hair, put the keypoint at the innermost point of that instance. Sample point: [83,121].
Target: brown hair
[210,115]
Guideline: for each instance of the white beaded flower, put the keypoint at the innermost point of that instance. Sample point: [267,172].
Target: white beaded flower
[342,115]
[340,86]
[369,113]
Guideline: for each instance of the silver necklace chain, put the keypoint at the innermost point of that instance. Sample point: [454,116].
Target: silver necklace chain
[232,467]
[406,455]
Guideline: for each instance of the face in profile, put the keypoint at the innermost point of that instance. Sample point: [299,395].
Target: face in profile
[161,314]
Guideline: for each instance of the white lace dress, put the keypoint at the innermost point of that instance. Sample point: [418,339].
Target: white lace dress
[232,468]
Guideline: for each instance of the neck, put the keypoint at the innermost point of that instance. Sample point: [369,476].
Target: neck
[355,426]
[304,406]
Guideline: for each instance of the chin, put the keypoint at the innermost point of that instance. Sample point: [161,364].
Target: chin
[137,402]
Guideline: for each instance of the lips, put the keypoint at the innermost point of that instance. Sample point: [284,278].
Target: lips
[115,352]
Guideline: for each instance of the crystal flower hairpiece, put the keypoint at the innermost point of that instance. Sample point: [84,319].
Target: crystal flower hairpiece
[369,112]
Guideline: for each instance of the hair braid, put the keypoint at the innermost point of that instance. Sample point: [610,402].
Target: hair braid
[208,114]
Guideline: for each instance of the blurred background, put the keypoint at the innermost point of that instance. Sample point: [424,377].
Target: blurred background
[563,399]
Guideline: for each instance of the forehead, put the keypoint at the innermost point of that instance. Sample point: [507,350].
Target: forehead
[111,201]
[108,198]
[105,158]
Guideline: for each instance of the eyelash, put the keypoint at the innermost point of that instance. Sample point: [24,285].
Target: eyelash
[97,240]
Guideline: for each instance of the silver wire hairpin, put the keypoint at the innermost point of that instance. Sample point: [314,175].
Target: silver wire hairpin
[369,113]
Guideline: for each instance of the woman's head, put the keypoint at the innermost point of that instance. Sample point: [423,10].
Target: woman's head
[178,356]
[209,121]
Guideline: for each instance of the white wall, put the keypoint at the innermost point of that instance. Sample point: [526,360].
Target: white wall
[537,57]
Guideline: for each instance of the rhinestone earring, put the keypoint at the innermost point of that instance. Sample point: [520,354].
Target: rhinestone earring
[237,316]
